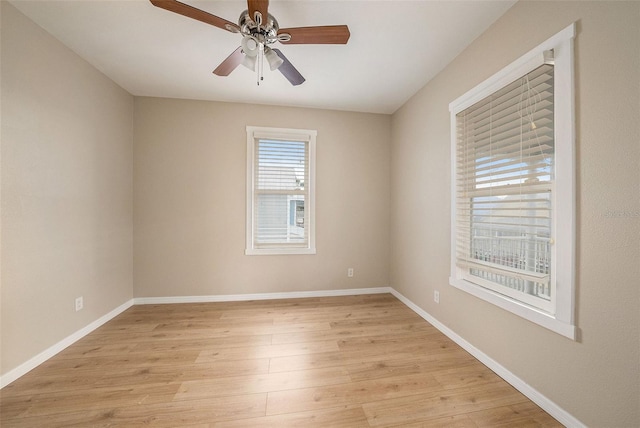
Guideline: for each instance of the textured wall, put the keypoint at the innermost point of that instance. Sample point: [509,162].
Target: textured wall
[190,181]
[596,378]
[67,209]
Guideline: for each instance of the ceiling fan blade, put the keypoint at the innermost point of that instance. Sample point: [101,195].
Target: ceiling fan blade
[261,6]
[289,71]
[329,34]
[230,63]
[195,13]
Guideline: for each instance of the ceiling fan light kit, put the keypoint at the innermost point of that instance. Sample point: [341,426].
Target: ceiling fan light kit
[258,34]
[249,62]
[273,59]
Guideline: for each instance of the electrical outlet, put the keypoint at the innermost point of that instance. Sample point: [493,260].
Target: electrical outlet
[79,303]
[436,296]
[350,272]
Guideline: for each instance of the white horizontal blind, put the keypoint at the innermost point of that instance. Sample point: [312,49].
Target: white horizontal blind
[505,176]
[280,192]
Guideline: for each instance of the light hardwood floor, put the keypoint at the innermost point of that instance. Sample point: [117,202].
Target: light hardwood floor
[354,361]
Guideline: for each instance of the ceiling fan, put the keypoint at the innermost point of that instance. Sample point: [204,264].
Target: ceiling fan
[260,30]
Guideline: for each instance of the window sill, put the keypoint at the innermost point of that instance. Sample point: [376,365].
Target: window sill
[524,311]
[278,251]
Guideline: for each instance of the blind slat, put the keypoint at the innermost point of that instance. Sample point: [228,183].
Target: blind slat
[504,179]
[281,172]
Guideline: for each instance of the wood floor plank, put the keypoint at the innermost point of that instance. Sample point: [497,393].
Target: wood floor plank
[456,421]
[456,359]
[398,317]
[42,380]
[346,361]
[201,344]
[83,349]
[363,366]
[126,360]
[306,361]
[401,345]
[466,376]
[58,383]
[339,417]
[517,415]
[336,315]
[187,373]
[393,340]
[227,328]
[181,413]
[156,336]
[438,404]
[268,382]
[199,413]
[352,393]
[267,351]
[92,399]
[371,356]
[338,333]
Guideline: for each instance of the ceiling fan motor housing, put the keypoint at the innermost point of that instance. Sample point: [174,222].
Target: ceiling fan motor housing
[266,33]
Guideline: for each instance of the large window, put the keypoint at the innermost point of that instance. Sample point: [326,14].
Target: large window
[512,204]
[280,191]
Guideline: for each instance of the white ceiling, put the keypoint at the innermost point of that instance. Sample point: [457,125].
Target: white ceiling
[395,48]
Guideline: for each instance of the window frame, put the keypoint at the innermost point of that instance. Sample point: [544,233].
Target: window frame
[561,320]
[285,134]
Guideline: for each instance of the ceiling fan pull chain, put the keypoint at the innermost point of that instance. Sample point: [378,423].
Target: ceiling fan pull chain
[260,61]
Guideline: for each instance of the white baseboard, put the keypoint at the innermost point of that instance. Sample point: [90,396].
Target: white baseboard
[534,395]
[34,362]
[549,406]
[259,296]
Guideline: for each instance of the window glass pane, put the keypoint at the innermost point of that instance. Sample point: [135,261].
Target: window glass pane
[277,219]
[282,170]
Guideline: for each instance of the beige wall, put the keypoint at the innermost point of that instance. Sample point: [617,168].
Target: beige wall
[67,140]
[596,378]
[71,204]
[189,193]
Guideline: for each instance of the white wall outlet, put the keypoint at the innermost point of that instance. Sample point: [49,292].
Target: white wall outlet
[436,296]
[350,272]
[79,303]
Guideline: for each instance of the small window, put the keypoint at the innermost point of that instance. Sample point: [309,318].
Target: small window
[280,191]
[512,205]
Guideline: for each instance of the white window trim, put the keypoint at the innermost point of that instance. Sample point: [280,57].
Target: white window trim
[254,132]
[563,216]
